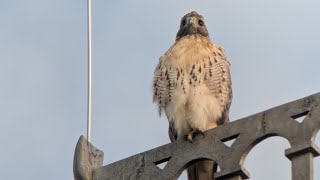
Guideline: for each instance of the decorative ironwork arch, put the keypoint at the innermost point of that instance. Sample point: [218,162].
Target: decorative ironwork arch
[247,132]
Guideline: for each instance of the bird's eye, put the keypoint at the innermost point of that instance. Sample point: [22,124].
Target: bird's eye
[201,23]
[183,23]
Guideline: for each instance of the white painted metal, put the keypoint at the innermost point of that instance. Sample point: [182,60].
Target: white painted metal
[89,105]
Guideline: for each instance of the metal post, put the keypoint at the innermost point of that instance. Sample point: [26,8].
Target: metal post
[302,166]
[89,106]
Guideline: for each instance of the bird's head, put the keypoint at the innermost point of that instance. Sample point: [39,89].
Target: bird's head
[192,24]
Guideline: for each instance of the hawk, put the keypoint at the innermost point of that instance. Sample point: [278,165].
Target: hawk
[192,85]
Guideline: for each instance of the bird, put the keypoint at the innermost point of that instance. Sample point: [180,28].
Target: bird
[192,85]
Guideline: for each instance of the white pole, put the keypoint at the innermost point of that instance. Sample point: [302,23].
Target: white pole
[89,106]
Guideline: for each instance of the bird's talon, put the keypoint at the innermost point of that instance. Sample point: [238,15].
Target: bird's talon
[190,136]
[202,133]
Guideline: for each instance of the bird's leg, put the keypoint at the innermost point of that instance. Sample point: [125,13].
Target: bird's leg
[192,133]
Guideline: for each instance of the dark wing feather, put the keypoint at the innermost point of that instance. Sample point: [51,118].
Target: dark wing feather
[218,79]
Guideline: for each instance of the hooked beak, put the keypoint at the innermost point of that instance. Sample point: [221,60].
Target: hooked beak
[192,21]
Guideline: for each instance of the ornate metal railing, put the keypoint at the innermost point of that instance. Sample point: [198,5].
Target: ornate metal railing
[246,132]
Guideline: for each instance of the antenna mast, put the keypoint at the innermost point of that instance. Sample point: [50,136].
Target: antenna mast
[89,105]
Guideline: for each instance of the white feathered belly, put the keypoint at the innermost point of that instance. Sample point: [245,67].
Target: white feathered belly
[192,84]
[196,109]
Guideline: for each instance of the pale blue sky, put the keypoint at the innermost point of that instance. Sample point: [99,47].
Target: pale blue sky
[272,46]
